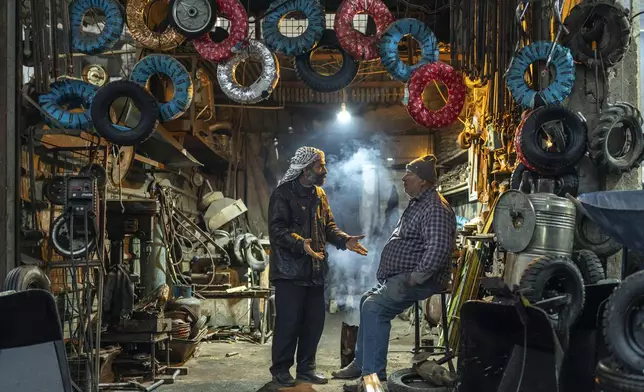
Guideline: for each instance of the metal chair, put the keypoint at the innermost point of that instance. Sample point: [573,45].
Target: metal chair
[447,354]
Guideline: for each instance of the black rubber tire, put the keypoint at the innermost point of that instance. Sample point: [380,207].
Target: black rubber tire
[331,83]
[598,138]
[198,33]
[517,177]
[535,279]
[612,378]
[618,326]
[59,245]
[256,257]
[397,379]
[547,162]
[313,11]
[600,244]
[589,265]
[27,277]
[567,183]
[143,100]
[613,36]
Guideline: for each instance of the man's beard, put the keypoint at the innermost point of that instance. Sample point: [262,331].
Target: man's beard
[316,179]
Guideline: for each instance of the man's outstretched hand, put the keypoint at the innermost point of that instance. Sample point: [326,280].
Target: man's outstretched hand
[319,256]
[354,245]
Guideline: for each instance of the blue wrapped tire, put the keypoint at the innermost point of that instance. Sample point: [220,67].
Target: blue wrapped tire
[111,32]
[293,46]
[388,47]
[140,98]
[64,94]
[557,91]
[181,81]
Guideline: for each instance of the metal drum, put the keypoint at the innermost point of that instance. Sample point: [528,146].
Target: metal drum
[547,227]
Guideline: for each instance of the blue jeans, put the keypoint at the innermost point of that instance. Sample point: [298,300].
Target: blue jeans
[378,307]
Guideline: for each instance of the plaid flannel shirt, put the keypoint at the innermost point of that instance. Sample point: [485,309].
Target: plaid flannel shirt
[422,241]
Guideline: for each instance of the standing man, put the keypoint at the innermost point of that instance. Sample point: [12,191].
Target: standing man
[300,223]
[415,263]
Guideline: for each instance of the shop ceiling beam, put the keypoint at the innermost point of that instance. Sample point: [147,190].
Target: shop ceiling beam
[10,77]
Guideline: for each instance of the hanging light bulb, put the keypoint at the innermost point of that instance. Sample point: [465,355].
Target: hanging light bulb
[343,115]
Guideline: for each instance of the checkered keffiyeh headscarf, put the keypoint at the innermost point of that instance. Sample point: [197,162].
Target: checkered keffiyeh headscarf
[304,156]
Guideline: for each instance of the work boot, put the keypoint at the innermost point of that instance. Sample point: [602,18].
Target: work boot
[349,372]
[284,379]
[312,377]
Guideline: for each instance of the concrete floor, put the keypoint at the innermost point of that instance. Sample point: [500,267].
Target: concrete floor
[212,371]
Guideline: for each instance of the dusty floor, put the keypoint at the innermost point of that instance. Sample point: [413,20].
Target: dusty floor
[212,371]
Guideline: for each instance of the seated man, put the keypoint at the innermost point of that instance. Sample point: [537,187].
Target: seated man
[415,264]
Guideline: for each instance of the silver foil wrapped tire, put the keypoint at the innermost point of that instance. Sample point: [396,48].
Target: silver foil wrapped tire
[262,88]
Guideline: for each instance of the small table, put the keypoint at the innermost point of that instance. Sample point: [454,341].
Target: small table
[151,338]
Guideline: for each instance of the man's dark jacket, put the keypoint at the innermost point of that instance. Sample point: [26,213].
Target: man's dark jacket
[296,213]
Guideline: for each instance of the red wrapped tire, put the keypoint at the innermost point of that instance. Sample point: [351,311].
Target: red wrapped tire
[358,45]
[234,11]
[517,142]
[421,78]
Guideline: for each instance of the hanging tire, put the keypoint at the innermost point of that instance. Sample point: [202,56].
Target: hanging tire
[556,91]
[110,33]
[69,92]
[200,15]
[623,320]
[407,380]
[234,11]
[293,46]
[27,277]
[420,79]
[181,83]
[137,12]
[605,22]
[327,83]
[76,248]
[589,265]
[613,378]
[358,45]
[590,236]
[388,47]
[262,88]
[572,142]
[631,153]
[117,134]
[553,275]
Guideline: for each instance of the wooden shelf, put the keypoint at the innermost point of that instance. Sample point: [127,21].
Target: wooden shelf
[454,190]
[212,159]
[163,148]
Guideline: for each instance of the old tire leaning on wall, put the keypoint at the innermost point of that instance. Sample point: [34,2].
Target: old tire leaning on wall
[358,45]
[588,235]
[201,14]
[66,92]
[262,88]
[218,52]
[326,83]
[136,11]
[293,46]
[550,274]
[27,277]
[118,134]
[556,91]
[421,78]
[589,265]
[603,21]
[110,33]
[572,138]
[599,146]
[621,323]
[181,83]
[388,47]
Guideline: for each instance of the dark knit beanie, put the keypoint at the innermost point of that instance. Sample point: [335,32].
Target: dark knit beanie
[425,168]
